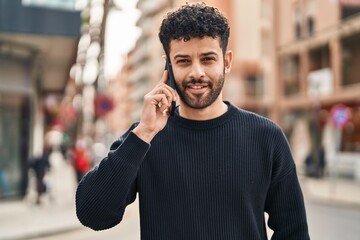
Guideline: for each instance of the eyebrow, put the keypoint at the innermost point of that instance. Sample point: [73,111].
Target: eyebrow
[209,53]
[181,56]
[203,54]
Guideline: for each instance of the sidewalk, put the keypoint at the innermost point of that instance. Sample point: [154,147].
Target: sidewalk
[21,220]
[329,190]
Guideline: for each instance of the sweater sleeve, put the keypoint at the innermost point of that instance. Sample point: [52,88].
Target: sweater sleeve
[284,202]
[105,191]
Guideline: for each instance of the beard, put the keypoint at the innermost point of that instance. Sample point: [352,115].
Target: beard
[201,101]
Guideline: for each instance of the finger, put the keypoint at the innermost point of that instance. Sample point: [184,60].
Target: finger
[173,91]
[166,112]
[160,100]
[165,77]
[163,88]
[164,109]
[168,91]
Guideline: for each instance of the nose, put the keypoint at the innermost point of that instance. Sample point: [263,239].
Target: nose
[197,71]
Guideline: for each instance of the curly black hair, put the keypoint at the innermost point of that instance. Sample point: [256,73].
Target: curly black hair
[194,21]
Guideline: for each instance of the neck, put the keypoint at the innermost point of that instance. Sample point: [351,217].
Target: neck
[215,110]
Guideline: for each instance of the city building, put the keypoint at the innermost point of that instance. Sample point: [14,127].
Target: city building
[317,46]
[37,47]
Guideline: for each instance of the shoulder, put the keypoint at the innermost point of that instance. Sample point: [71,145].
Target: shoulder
[256,121]
[259,127]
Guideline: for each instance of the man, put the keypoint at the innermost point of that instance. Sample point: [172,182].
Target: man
[41,165]
[211,170]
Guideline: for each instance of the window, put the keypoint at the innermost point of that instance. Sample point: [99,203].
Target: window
[298,22]
[349,11]
[254,85]
[311,13]
[351,60]
[320,58]
[310,26]
[291,75]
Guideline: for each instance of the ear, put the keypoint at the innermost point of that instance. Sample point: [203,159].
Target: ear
[228,61]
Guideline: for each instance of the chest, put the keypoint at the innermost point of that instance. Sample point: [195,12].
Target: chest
[207,166]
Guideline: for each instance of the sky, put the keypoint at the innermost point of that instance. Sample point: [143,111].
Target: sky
[121,35]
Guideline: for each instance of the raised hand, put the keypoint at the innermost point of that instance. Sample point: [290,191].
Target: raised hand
[157,104]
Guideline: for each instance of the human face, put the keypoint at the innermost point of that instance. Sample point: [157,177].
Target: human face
[199,70]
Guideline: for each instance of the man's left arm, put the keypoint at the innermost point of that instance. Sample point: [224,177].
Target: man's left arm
[284,201]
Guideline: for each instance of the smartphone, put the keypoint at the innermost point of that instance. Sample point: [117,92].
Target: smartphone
[171,83]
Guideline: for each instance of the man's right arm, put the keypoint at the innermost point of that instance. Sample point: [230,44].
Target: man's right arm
[106,190]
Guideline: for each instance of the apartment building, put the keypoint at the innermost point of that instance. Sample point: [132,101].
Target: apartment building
[317,46]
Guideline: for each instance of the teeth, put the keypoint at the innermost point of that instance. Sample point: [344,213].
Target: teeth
[196,87]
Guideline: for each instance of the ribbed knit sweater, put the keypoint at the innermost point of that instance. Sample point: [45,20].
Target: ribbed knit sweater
[199,180]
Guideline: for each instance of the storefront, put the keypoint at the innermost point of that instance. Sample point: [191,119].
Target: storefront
[343,134]
[331,132]
[15,119]
[35,60]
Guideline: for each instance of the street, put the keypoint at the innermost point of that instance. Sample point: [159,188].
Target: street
[326,222]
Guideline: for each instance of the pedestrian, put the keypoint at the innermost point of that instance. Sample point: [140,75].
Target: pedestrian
[315,163]
[80,159]
[41,165]
[5,189]
[210,170]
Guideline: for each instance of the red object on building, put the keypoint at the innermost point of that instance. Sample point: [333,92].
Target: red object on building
[103,105]
[340,115]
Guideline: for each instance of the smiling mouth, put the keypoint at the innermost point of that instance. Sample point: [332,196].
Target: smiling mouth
[197,88]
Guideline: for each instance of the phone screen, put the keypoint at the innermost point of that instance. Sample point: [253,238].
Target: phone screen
[171,82]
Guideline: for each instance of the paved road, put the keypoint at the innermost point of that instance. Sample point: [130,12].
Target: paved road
[326,222]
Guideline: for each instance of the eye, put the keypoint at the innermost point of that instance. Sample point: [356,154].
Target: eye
[183,61]
[208,59]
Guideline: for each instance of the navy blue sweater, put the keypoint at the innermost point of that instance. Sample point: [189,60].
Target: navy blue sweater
[199,180]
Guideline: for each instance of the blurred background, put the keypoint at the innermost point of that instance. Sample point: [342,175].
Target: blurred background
[73,74]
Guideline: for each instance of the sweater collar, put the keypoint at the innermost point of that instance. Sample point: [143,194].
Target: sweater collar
[204,124]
